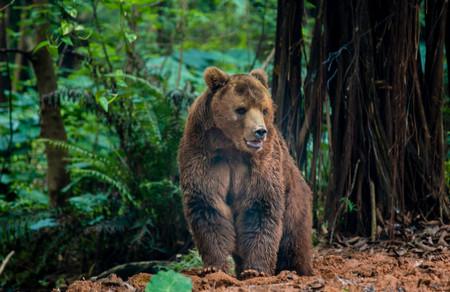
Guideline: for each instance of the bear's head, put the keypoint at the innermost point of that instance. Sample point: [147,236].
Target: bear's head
[241,107]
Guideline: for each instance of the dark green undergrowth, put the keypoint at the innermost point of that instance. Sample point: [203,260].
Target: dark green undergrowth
[126,76]
[123,90]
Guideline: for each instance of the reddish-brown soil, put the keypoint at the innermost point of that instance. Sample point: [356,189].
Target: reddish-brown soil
[336,269]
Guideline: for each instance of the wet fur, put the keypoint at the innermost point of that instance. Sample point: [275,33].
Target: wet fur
[253,206]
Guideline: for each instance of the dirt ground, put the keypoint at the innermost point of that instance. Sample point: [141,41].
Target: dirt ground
[418,259]
[336,269]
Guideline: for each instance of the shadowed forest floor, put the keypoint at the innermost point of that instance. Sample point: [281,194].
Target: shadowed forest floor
[391,266]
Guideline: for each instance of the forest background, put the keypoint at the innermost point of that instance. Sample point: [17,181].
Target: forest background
[94,95]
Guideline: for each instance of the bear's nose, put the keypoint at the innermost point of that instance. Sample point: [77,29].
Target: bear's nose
[260,133]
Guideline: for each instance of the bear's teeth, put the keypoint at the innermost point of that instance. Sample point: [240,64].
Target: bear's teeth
[254,144]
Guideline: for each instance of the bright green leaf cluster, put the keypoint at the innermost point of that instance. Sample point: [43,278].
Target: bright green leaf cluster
[169,281]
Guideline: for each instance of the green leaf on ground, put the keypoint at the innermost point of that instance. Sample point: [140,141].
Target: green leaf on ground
[169,281]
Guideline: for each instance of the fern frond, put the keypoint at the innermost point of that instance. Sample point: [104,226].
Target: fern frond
[153,90]
[79,154]
[146,117]
[121,187]
[107,168]
[102,168]
[73,149]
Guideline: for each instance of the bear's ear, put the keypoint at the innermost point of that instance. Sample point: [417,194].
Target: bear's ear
[261,75]
[215,78]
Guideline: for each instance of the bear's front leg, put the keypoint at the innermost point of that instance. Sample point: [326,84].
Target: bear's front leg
[210,221]
[259,229]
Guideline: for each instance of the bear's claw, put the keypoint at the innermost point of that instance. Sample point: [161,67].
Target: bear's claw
[208,270]
[250,273]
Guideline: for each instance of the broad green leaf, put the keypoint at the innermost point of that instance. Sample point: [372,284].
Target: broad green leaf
[79,27]
[40,46]
[67,41]
[71,11]
[83,34]
[43,223]
[103,102]
[66,27]
[131,37]
[114,96]
[169,281]
[5,178]
[53,50]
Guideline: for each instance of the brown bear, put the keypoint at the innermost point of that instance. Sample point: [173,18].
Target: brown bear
[242,192]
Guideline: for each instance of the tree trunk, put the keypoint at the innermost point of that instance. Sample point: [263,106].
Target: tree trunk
[5,103]
[447,48]
[19,60]
[4,79]
[386,113]
[286,86]
[428,144]
[342,77]
[52,126]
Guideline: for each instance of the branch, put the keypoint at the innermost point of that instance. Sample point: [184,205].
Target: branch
[5,261]
[7,5]
[268,59]
[131,269]
[27,54]
[373,213]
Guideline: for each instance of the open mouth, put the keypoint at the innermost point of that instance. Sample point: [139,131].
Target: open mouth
[255,144]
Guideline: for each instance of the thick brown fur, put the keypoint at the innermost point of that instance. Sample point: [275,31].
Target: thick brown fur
[250,203]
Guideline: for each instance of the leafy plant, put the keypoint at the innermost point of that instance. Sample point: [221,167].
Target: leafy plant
[169,281]
[191,260]
[127,71]
[349,206]
[87,164]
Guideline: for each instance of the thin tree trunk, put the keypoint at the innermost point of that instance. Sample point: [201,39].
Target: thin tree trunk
[4,80]
[5,102]
[19,58]
[447,48]
[52,125]
[433,98]
[315,95]
[338,35]
[286,87]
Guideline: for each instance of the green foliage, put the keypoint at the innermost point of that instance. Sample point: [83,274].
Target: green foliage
[88,204]
[86,164]
[169,281]
[191,260]
[349,206]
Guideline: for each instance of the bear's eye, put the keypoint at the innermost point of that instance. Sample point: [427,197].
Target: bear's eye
[241,110]
[265,111]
